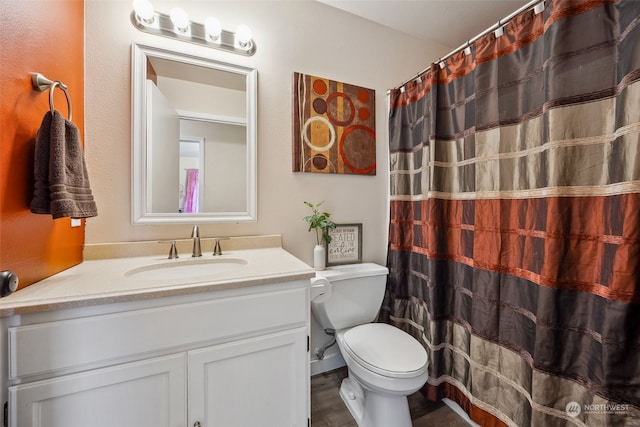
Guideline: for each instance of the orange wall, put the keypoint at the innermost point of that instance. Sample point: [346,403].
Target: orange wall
[45,36]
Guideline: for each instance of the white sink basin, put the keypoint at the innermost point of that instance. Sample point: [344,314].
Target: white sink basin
[186,270]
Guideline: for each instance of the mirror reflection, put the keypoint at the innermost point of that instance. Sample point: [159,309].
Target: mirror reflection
[194,139]
[216,148]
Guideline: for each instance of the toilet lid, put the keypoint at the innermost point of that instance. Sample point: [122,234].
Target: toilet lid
[385,349]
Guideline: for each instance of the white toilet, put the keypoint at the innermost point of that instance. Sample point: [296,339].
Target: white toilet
[385,364]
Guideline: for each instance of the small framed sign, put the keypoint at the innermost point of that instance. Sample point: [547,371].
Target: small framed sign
[346,244]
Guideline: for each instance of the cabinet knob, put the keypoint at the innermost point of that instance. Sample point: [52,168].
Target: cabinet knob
[196,424]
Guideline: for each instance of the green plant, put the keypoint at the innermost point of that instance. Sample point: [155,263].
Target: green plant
[320,222]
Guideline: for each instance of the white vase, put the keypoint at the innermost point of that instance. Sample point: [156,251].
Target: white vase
[319,257]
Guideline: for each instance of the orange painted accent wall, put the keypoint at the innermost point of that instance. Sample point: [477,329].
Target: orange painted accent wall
[45,36]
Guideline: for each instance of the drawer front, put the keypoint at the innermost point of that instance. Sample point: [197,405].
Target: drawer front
[84,342]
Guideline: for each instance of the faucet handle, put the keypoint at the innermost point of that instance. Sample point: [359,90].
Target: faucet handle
[216,249]
[195,232]
[173,252]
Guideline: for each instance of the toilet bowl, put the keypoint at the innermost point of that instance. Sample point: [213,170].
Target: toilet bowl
[385,364]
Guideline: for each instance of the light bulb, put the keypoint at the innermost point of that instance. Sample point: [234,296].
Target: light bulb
[243,35]
[144,10]
[180,19]
[213,27]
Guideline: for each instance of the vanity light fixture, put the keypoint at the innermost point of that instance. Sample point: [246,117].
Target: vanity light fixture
[178,26]
[213,28]
[243,36]
[180,21]
[144,10]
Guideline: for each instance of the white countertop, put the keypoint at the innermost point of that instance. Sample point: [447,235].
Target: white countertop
[104,281]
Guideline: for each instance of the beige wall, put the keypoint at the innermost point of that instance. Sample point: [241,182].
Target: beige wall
[303,36]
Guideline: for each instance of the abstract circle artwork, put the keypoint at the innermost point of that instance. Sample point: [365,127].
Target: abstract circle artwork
[333,127]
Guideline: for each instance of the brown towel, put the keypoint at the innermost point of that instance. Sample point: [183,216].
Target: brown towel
[61,186]
[41,201]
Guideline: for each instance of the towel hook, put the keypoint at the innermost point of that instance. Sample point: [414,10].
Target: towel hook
[41,83]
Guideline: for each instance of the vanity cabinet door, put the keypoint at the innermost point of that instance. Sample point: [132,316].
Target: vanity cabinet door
[255,382]
[149,393]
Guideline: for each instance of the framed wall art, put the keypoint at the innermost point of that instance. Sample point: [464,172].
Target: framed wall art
[346,244]
[334,127]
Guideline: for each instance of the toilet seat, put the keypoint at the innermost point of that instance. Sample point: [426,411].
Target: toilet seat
[385,350]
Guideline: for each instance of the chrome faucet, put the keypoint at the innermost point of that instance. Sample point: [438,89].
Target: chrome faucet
[196,242]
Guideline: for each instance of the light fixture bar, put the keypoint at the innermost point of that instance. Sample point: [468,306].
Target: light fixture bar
[161,25]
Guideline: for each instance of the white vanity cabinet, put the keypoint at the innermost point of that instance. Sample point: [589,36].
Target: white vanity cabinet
[235,357]
[262,382]
[146,393]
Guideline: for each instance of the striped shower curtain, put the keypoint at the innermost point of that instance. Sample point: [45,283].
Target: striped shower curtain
[514,242]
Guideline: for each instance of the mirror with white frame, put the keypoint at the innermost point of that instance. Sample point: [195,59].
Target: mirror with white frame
[194,139]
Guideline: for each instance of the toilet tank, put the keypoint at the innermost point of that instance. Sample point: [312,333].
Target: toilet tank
[356,294]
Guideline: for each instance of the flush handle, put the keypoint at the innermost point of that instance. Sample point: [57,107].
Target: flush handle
[196,424]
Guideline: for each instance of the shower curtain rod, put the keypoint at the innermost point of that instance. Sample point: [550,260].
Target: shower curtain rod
[499,24]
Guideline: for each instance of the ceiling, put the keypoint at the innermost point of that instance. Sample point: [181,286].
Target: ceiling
[448,22]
